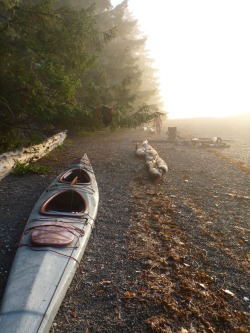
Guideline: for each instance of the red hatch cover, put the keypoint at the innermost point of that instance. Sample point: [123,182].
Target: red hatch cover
[56,234]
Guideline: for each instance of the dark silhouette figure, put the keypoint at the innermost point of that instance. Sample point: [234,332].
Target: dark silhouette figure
[158,124]
[107,115]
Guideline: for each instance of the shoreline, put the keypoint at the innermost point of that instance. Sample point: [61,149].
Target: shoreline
[199,207]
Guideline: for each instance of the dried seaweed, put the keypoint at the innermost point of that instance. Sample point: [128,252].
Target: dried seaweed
[189,298]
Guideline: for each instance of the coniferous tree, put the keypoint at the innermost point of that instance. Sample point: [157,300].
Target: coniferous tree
[62,60]
[43,50]
[119,79]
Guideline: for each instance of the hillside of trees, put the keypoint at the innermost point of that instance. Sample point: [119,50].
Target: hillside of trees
[62,60]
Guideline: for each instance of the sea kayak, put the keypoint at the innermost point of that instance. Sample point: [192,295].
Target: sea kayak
[50,249]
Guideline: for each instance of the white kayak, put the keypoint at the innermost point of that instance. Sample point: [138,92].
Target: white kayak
[50,250]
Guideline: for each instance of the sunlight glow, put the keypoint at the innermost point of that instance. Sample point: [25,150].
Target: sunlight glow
[202,52]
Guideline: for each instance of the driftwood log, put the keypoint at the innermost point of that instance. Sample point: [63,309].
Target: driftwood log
[26,155]
[156,166]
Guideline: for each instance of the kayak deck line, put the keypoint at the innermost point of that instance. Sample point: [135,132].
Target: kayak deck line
[33,248]
[74,219]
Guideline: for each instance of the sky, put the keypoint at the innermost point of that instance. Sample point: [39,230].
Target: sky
[201,49]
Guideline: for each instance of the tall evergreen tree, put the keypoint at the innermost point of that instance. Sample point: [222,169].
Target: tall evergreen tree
[43,48]
[62,60]
[118,79]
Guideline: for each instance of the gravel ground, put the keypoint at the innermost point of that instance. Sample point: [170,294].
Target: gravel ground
[209,198]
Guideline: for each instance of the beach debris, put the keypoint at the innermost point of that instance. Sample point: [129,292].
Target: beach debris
[149,130]
[228,292]
[238,196]
[154,163]
[215,142]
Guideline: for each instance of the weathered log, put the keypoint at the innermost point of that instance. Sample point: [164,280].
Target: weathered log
[139,151]
[155,165]
[161,164]
[26,155]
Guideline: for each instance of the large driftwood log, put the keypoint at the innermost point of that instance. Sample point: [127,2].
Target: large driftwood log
[25,155]
[156,166]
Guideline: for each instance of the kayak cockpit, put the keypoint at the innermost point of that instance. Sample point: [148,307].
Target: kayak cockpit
[65,203]
[81,176]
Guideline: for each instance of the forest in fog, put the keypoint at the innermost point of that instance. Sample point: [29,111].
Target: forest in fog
[62,60]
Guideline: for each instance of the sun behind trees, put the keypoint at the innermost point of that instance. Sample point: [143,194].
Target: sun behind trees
[61,62]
